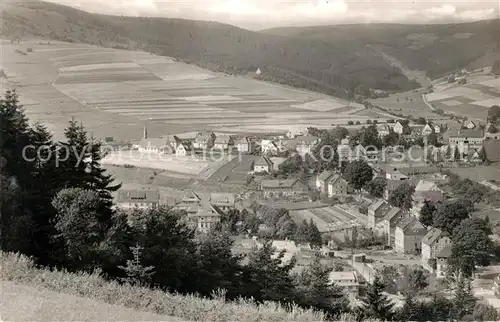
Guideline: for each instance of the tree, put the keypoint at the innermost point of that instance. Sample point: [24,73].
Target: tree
[427,213]
[463,300]
[494,114]
[492,129]
[168,245]
[369,137]
[418,279]
[376,187]
[82,226]
[421,121]
[390,139]
[292,165]
[432,139]
[266,277]
[358,173]
[402,197]
[314,290]
[251,223]
[482,155]
[73,155]
[376,304]
[136,273]
[449,215]
[314,235]
[456,154]
[471,246]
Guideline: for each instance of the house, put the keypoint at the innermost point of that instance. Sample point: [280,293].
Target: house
[388,224]
[283,187]
[394,174]
[376,211]
[473,138]
[408,235]
[470,125]
[492,150]
[258,72]
[383,130]
[442,261]
[345,279]
[223,201]
[161,145]
[474,156]
[202,219]
[431,128]
[288,246]
[204,140]
[427,190]
[401,128]
[432,243]
[269,147]
[201,214]
[322,180]
[182,148]
[222,142]
[128,199]
[263,164]
[244,145]
[338,186]
[306,143]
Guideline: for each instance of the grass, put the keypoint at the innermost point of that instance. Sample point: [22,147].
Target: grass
[20,269]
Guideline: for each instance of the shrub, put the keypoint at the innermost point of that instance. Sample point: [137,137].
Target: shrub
[358,122]
[350,123]
[390,121]
[368,121]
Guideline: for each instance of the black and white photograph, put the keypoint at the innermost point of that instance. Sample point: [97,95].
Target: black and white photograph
[250,160]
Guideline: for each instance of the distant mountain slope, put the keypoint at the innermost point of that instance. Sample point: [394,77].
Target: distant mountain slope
[436,49]
[340,70]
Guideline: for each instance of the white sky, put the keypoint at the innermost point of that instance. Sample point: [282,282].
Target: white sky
[257,14]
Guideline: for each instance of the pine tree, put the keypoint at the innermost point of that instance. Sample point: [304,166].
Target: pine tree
[136,273]
[376,304]
[75,153]
[427,213]
[315,290]
[97,179]
[315,238]
[463,300]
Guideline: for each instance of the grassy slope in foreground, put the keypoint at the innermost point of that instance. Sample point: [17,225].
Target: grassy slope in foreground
[21,270]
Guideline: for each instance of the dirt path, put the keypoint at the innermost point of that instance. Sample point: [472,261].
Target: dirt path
[25,303]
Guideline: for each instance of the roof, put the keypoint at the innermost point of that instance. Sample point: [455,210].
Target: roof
[243,140]
[342,276]
[202,212]
[222,139]
[138,195]
[424,185]
[156,142]
[392,213]
[336,178]
[279,183]
[445,252]
[220,198]
[325,175]
[492,149]
[264,160]
[410,223]
[468,133]
[307,139]
[376,205]
[203,136]
[394,184]
[287,245]
[433,236]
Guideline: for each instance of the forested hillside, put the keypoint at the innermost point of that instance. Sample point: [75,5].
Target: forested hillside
[436,49]
[309,63]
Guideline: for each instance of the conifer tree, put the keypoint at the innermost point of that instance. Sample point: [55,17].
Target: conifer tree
[315,239]
[75,153]
[376,304]
[136,273]
[314,290]
[463,300]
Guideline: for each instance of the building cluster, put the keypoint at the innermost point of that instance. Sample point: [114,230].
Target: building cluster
[203,212]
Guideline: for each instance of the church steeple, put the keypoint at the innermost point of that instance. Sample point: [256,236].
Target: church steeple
[145,133]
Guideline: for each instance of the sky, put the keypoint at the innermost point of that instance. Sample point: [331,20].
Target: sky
[260,14]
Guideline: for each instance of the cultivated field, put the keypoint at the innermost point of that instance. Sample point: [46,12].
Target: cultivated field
[471,100]
[115,92]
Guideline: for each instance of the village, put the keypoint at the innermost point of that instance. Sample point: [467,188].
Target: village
[283,186]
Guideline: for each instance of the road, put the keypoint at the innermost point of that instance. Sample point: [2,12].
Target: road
[427,103]
[20,302]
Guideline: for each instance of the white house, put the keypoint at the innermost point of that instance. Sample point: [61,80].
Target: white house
[383,130]
[244,145]
[398,128]
[432,244]
[222,142]
[128,199]
[181,150]
[431,128]
[322,180]
[395,174]
[408,235]
[306,143]
[470,125]
[258,72]
[268,147]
